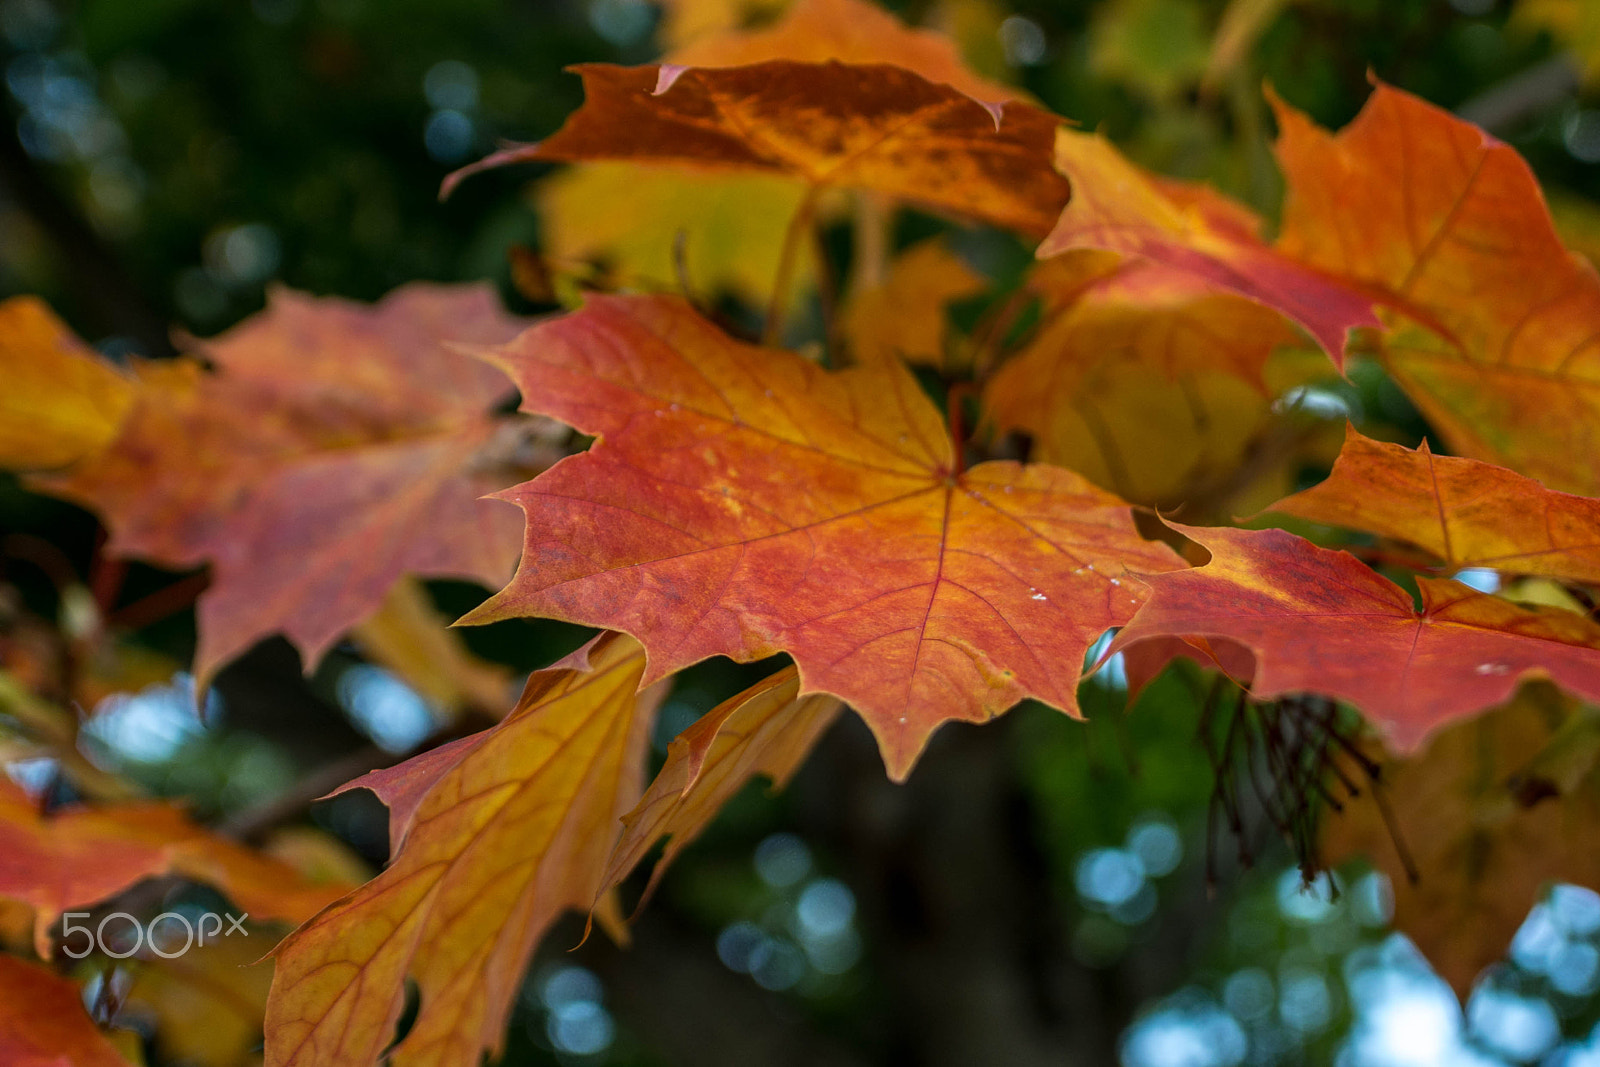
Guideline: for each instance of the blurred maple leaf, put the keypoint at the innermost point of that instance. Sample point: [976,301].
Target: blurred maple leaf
[61,400]
[43,1022]
[206,1004]
[742,501]
[334,448]
[71,859]
[1149,380]
[630,222]
[904,317]
[1479,845]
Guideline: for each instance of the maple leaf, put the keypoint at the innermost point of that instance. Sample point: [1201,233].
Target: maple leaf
[61,401]
[742,501]
[875,126]
[494,836]
[71,859]
[1321,621]
[768,729]
[43,1022]
[1482,846]
[337,447]
[1466,512]
[1449,222]
[904,317]
[1119,208]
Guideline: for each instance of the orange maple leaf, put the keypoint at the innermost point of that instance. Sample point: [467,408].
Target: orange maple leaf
[336,447]
[61,401]
[75,858]
[1450,224]
[494,836]
[768,729]
[43,1022]
[743,501]
[1119,208]
[1466,512]
[1321,621]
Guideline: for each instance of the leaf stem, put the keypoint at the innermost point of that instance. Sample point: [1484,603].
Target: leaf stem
[955,413]
[827,297]
[793,237]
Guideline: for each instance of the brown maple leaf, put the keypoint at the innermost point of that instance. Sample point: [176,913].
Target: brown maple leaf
[877,126]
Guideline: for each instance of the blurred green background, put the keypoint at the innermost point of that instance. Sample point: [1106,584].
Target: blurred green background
[1037,893]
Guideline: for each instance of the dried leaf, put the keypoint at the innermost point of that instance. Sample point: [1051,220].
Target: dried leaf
[873,127]
[1464,511]
[1323,622]
[494,838]
[743,501]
